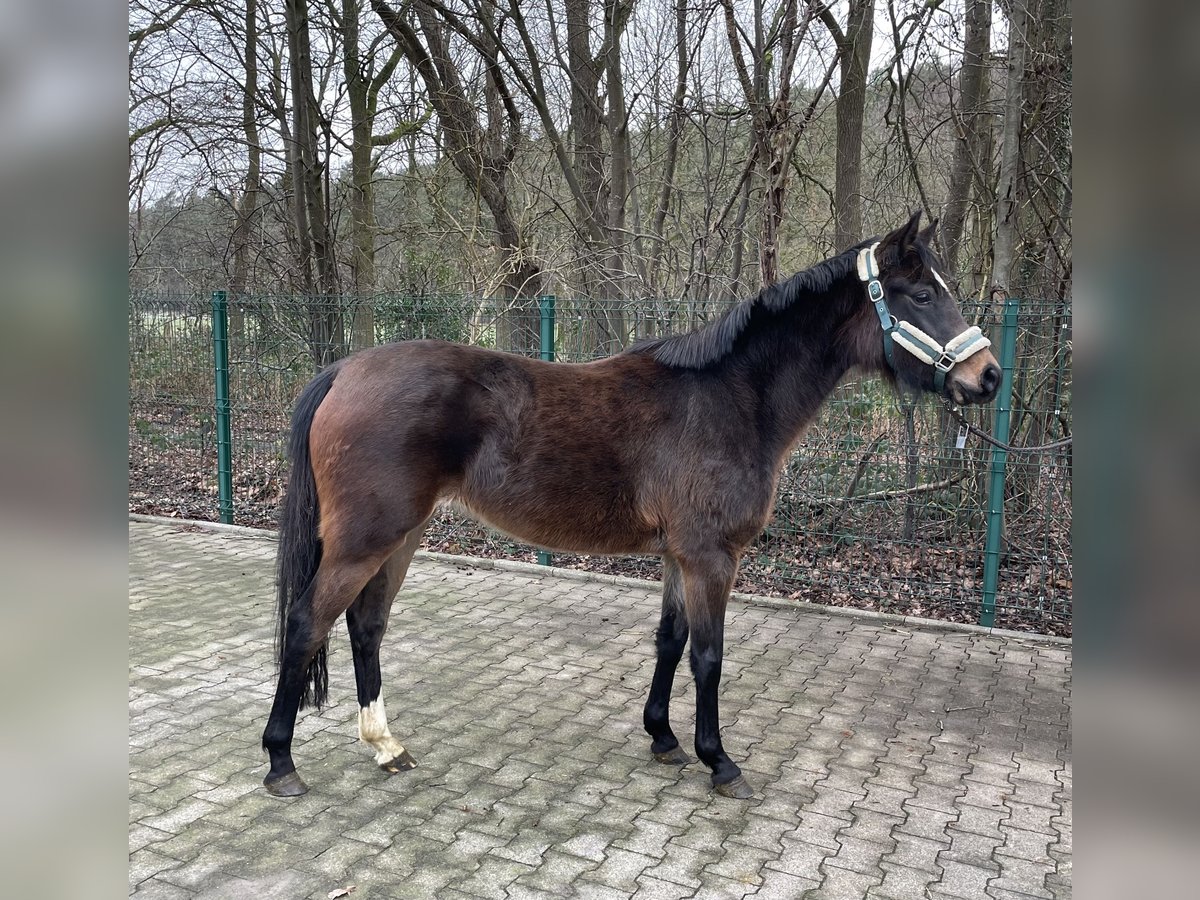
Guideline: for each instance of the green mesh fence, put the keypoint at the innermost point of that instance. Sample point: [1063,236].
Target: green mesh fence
[879,507]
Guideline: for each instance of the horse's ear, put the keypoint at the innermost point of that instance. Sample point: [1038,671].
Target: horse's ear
[929,232]
[904,238]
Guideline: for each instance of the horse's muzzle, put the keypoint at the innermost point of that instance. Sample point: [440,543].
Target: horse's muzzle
[975,380]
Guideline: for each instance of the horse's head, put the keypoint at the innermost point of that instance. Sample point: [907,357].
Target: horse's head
[927,343]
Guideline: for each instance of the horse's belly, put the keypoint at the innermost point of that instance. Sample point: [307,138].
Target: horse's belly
[576,525]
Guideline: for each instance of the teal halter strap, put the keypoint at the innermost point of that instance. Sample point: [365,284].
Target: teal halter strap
[868,271]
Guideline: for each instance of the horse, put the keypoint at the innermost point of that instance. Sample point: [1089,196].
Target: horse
[671,448]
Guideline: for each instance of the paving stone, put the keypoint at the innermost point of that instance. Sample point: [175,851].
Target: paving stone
[649,837]
[682,865]
[878,828]
[860,856]
[1023,876]
[141,836]
[972,849]
[144,864]
[493,877]
[963,880]
[154,889]
[842,884]
[741,863]
[621,869]
[802,859]
[653,889]
[778,885]
[820,830]
[1029,845]
[887,800]
[1035,793]
[901,883]
[1031,818]
[978,820]
[521,695]
[556,872]
[916,853]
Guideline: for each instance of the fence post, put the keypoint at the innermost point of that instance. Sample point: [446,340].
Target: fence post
[224,439]
[546,352]
[995,521]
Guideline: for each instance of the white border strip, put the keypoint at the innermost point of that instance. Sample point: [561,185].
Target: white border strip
[510,565]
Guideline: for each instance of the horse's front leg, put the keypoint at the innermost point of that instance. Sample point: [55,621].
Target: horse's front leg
[669,641]
[707,581]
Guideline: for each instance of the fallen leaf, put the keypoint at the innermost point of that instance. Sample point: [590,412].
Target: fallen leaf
[341,892]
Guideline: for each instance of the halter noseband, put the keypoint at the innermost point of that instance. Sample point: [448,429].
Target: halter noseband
[909,336]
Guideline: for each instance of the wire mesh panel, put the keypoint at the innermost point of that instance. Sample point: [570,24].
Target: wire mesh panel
[878,507]
[172,440]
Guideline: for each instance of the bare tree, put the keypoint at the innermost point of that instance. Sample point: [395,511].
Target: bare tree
[316,263]
[482,152]
[854,53]
[1007,190]
[971,123]
[774,45]
[248,205]
[363,85]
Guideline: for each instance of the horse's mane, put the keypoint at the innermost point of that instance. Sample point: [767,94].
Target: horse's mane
[707,345]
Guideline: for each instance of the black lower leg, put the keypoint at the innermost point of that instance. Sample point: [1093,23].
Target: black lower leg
[669,640]
[277,737]
[366,620]
[707,581]
[706,667]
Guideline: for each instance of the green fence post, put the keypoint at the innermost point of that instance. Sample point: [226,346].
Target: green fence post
[546,352]
[546,331]
[995,521]
[224,438]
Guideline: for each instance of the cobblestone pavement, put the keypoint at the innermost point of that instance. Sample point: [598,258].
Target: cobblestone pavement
[889,762]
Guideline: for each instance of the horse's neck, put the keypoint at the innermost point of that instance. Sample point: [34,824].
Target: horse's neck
[799,367]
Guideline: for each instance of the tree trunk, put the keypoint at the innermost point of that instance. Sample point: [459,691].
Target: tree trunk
[674,131]
[972,122]
[855,52]
[248,205]
[362,195]
[617,120]
[587,157]
[776,132]
[483,159]
[1007,204]
[325,321]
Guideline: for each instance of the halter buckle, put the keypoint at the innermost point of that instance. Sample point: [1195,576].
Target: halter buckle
[945,362]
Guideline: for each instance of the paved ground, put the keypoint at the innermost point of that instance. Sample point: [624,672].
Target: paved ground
[890,762]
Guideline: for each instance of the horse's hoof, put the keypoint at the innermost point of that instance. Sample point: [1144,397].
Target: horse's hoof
[401,763]
[738,789]
[289,785]
[673,757]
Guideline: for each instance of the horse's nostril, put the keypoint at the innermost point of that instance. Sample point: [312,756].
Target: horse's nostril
[990,379]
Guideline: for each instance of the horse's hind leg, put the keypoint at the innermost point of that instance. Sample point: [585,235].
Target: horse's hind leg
[669,641]
[367,620]
[338,581]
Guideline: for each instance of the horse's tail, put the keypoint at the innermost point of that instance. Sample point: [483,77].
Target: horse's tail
[299,543]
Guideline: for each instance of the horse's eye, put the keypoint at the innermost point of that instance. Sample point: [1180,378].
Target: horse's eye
[922,297]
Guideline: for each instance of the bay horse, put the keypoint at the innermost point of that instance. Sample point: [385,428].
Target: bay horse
[672,448]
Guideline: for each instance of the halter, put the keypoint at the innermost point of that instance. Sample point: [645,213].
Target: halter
[909,336]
